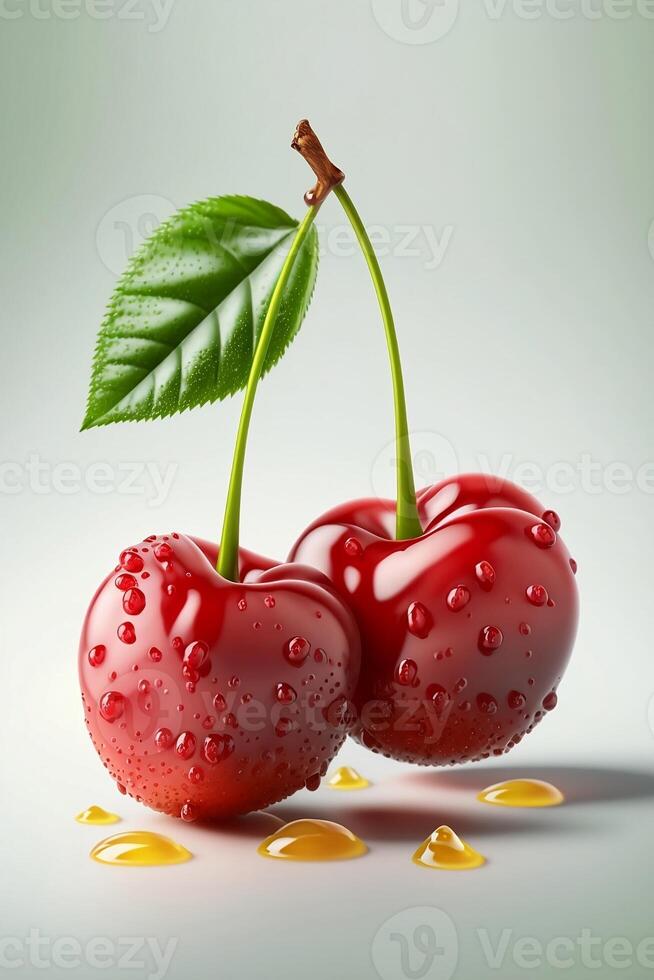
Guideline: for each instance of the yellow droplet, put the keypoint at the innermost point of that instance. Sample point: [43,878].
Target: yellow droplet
[347,778]
[312,840]
[522,792]
[96,815]
[447,852]
[139,847]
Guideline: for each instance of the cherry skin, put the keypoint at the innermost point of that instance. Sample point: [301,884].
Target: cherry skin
[207,698]
[466,631]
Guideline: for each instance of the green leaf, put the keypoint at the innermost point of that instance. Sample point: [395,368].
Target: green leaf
[184,319]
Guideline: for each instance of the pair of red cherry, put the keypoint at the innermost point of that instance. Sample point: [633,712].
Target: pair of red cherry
[206,697]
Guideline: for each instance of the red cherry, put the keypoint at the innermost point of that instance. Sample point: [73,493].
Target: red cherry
[490,561]
[271,690]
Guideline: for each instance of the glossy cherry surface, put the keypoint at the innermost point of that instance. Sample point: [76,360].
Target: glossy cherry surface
[466,631]
[207,698]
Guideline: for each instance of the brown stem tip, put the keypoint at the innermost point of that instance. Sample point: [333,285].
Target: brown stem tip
[309,146]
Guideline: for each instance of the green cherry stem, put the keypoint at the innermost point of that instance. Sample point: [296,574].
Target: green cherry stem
[305,141]
[227,564]
[407,522]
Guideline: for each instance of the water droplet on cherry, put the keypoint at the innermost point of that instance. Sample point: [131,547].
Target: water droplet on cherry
[133,602]
[486,703]
[297,650]
[285,694]
[485,575]
[542,535]
[163,552]
[439,697]
[458,598]
[406,673]
[127,633]
[195,655]
[112,705]
[217,747]
[284,726]
[131,562]
[185,745]
[537,595]
[195,774]
[353,548]
[96,655]
[552,518]
[163,739]
[490,639]
[419,620]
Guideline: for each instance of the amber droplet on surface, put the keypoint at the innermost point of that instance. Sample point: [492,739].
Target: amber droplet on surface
[445,851]
[346,778]
[312,840]
[139,847]
[96,815]
[522,793]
